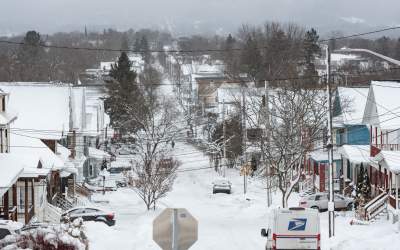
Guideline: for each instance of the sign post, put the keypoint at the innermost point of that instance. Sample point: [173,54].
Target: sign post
[175,229]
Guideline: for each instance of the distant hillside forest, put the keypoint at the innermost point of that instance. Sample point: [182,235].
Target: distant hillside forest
[269,51]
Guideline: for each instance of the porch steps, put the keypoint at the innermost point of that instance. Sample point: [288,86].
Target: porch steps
[376,207]
[61,202]
[52,214]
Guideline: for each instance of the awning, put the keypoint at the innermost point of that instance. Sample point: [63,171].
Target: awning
[322,156]
[35,172]
[356,153]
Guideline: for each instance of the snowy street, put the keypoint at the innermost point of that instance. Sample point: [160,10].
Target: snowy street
[225,221]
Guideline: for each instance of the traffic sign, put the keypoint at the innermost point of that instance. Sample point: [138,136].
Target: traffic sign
[175,229]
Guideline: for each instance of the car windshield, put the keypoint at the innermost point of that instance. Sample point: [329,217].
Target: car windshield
[193,124]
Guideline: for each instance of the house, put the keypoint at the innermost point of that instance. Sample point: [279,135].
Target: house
[6,118]
[51,114]
[22,182]
[350,134]
[348,110]
[317,166]
[384,125]
[11,172]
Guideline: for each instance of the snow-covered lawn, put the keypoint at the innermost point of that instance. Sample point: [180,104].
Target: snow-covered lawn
[225,221]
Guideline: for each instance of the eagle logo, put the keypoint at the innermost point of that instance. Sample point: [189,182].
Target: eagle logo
[297,224]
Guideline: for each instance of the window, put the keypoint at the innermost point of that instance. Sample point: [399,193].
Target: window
[321,197]
[91,210]
[77,211]
[337,197]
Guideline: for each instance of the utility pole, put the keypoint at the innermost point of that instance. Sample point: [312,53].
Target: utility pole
[244,126]
[224,135]
[244,134]
[331,204]
[267,135]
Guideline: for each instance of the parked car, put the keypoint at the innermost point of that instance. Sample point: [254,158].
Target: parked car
[89,214]
[222,186]
[9,227]
[293,228]
[320,201]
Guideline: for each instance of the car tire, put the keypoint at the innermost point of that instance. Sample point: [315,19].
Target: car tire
[349,207]
[315,207]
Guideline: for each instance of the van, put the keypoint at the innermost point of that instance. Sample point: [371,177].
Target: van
[293,228]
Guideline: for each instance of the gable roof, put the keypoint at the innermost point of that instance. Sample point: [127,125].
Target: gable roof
[42,108]
[383,106]
[31,149]
[352,103]
[11,168]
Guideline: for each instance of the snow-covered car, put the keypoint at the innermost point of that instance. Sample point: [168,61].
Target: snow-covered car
[125,151]
[89,214]
[320,201]
[9,227]
[222,186]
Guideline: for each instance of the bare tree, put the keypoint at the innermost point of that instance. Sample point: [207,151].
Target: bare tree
[297,121]
[155,167]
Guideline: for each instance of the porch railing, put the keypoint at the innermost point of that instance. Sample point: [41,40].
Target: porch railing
[12,213]
[390,147]
[31,212]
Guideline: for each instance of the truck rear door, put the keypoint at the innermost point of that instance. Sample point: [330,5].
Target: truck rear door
[297,231]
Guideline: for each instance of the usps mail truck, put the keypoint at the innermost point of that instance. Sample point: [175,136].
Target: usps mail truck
[293,228]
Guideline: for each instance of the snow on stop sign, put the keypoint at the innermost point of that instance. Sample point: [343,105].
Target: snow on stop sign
[175,229]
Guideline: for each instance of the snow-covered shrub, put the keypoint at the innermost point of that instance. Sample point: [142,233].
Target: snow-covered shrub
[56,237]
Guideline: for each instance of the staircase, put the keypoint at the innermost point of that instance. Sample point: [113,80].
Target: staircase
[60,201]
[52,214]
[376,206]
[82,190]
[307,186]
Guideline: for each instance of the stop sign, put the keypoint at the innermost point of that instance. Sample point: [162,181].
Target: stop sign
[175,229]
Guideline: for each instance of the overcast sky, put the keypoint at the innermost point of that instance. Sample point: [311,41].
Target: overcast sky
[46,16]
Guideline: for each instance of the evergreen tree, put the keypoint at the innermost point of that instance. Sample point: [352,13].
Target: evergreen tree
[311,50]
[145,49]
[397,50]
[136,45]
[30,57]
[124,99]
[251,60]
[229,56]
[124,43]
[363,189]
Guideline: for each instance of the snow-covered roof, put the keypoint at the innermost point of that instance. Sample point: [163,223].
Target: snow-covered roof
[7,117]
[322,156]
[389,160]
[63,152]
[106,65]
[97,153]
[229,93]
[42,108]
[384,96]
[34,172]
[11,169]
[356,153]
[342,57]
[31,149]
[353,101]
